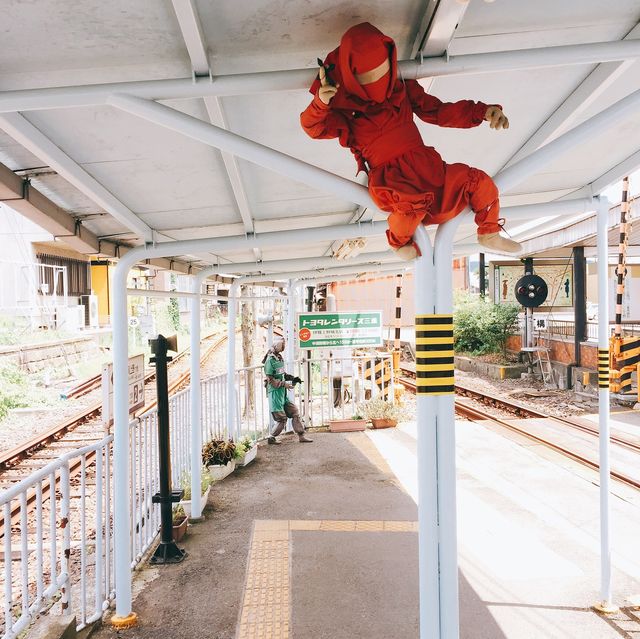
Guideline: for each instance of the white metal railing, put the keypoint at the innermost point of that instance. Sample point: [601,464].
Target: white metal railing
[336,387]
[57,539]
[57,524]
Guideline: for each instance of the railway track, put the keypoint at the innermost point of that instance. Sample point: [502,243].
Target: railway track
[89,416]
[77,432]
[518,410]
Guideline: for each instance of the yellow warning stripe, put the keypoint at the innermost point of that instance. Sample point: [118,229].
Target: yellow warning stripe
[603,368]
[433,367]
[434,355]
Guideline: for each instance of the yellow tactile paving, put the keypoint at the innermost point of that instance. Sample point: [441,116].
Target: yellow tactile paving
[400,526]
[266,605]
[338,526]
[304,524]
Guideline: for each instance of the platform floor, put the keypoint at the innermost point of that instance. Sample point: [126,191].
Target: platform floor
[319,541]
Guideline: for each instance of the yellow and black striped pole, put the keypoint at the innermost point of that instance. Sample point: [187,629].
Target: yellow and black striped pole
[622,255]
[603,368]
[434,355]
[398,325]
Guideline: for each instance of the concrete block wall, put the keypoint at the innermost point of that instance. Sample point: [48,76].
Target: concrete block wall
[57,355]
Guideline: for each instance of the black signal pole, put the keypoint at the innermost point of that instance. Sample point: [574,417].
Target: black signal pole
[167,551]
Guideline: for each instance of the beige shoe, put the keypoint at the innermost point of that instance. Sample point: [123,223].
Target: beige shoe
[407,252]
[498,243]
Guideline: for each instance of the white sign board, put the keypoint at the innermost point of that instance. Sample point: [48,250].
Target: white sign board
[136,388]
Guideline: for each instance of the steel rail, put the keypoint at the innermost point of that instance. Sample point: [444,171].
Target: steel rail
[476,414]
[13,456]
[75,467]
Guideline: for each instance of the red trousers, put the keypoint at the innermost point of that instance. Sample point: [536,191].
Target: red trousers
[462,186]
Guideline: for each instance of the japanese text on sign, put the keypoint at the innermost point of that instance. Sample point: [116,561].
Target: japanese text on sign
[135,372]
[323,330]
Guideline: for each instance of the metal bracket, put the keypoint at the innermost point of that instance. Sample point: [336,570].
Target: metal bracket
[173,498]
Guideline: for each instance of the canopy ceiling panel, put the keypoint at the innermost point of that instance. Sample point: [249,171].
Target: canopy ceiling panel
[523,18]
[265,35]
[54,35]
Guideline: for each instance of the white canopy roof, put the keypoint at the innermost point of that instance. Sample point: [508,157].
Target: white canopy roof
[127,179]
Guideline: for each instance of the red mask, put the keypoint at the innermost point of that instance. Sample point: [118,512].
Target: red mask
[377,91]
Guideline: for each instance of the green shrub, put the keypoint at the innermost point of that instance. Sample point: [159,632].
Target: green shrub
[14,389]
[481,327]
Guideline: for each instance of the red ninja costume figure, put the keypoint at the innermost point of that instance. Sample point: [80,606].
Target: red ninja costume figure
[359,99]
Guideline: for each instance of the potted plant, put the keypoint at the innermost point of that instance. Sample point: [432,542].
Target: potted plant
[205,489]
[382,413]
[218,458]
[180,522]
[357,422]
[246,451]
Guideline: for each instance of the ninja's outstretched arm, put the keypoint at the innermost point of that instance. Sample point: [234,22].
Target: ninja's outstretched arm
[463,114]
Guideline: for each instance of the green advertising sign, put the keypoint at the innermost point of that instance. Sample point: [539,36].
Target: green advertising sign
[326,330]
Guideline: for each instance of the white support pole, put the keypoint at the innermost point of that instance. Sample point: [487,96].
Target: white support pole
[443,253]
[122,508]
[446,452]
[428,534]
[196,417]
[232,311]
[290,328]
[606,604]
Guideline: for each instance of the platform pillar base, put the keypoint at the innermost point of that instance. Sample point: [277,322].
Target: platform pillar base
[120,623]
[168,553]
[606,608]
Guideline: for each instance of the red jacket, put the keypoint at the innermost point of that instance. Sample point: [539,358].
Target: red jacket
[404,174]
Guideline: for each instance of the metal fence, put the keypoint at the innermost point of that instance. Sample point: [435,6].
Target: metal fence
[57,524]
[57,539]
[566,329]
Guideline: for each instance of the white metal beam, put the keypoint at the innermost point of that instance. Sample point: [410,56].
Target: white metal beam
[576,136]
[441,27]
[300,79]
[242,147]
[616,173]
[303,263]
[191,28]
[592,87]
[31,138]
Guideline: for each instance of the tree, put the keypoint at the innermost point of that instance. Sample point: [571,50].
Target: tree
[248,327]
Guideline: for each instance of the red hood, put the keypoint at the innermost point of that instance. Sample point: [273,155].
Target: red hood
[353,47]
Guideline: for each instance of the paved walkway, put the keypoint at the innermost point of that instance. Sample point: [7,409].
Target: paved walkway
[319,541]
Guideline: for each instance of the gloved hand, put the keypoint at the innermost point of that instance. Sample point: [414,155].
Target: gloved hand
[288,385]
[496,118]
[326,90]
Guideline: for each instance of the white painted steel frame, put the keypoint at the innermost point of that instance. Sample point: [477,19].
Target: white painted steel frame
[513,175]
[442,566]
[233,298]
[31,138]
[300,79]
[120,359]
[242,147]
[602,212]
